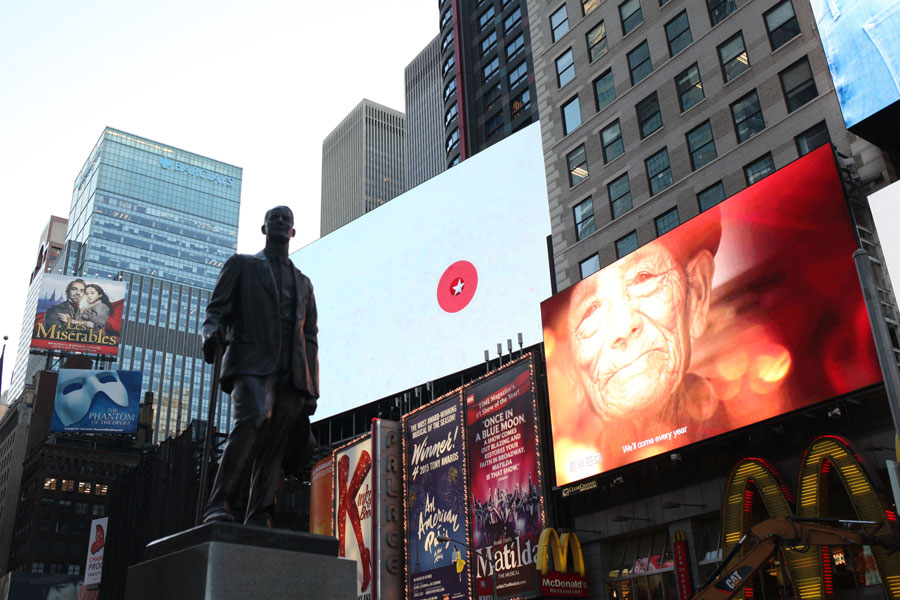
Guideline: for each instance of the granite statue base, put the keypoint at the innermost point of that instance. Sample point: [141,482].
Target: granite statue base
[223,561]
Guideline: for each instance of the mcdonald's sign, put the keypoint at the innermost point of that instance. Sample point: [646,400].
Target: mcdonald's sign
[810,571]
[557,582]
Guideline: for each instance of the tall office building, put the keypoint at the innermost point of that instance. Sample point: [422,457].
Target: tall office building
[424,116]
[488,75]
[656,110]
[363,164]
[148,208]
[164,220]
[51,244]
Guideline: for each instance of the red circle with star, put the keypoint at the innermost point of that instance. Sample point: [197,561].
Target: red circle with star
[457,286]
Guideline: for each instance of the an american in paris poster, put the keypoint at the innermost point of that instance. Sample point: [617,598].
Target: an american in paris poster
[436,501]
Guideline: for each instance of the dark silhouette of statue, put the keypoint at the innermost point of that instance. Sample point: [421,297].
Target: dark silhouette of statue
[262,313]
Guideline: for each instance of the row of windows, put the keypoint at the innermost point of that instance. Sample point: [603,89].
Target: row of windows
[746,113]
[659,177]
[56,568]
[797,81]
[781,22]
[69,485]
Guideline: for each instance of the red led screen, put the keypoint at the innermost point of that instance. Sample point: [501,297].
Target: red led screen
[750,310]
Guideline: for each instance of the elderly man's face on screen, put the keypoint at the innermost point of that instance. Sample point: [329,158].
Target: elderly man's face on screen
[631,326]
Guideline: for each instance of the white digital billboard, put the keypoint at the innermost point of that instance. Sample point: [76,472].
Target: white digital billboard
[885,205]
[420,287]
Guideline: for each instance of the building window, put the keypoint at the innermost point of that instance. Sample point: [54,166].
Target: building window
[486,19]
[812,138]
[515,46]
[611,140]
[491,68]
[98,510]
[449,64]
[514,18]
[518,75]
[571,115]
[759,168]
[37,567]
[649,117]
[604,90]
[488,43]
[577,165]
[565,68]
[711,196]
[659,171]
[74,570]
[596,41]
[447,41]
[559,23]
[627,244]
[747,116]
[65,505]
[520,104]
[798,84]
[584,218]
[719,9]
[50,483]
[701,145]
[493,125]
[588,6]
[678,33]
[68,485]
[453,141]
[689,87]
[781,23]
[733,57]
[631,15]
[490,97]
[450,114]
[449,89]
[589,266]
[81,508]
[639,62]
[84,487]
[667,221]
[619,196]
[445,18]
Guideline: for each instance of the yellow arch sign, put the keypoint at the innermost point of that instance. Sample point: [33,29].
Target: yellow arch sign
[826,453]
[552,546]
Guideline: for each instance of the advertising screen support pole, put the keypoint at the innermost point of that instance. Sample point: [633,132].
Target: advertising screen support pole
[884,347]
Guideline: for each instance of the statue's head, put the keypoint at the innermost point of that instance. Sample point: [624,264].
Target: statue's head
[279,224]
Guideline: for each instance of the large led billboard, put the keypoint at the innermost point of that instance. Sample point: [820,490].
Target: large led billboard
[860,41]
[748,311]
[885,204]
[79,314]
[421,286]
[97,401]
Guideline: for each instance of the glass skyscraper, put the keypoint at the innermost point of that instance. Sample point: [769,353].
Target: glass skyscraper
[143,207]
[163,220]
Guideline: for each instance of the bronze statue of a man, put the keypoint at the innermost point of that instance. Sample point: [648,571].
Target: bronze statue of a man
[263,314]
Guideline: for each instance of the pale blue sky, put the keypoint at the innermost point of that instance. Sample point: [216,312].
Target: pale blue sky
[258,85]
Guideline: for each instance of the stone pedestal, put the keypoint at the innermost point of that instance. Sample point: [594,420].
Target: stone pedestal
[221,561]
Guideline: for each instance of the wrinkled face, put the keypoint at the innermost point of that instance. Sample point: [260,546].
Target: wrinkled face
[76,292]
[631,333]
[279,225]
[91,293]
